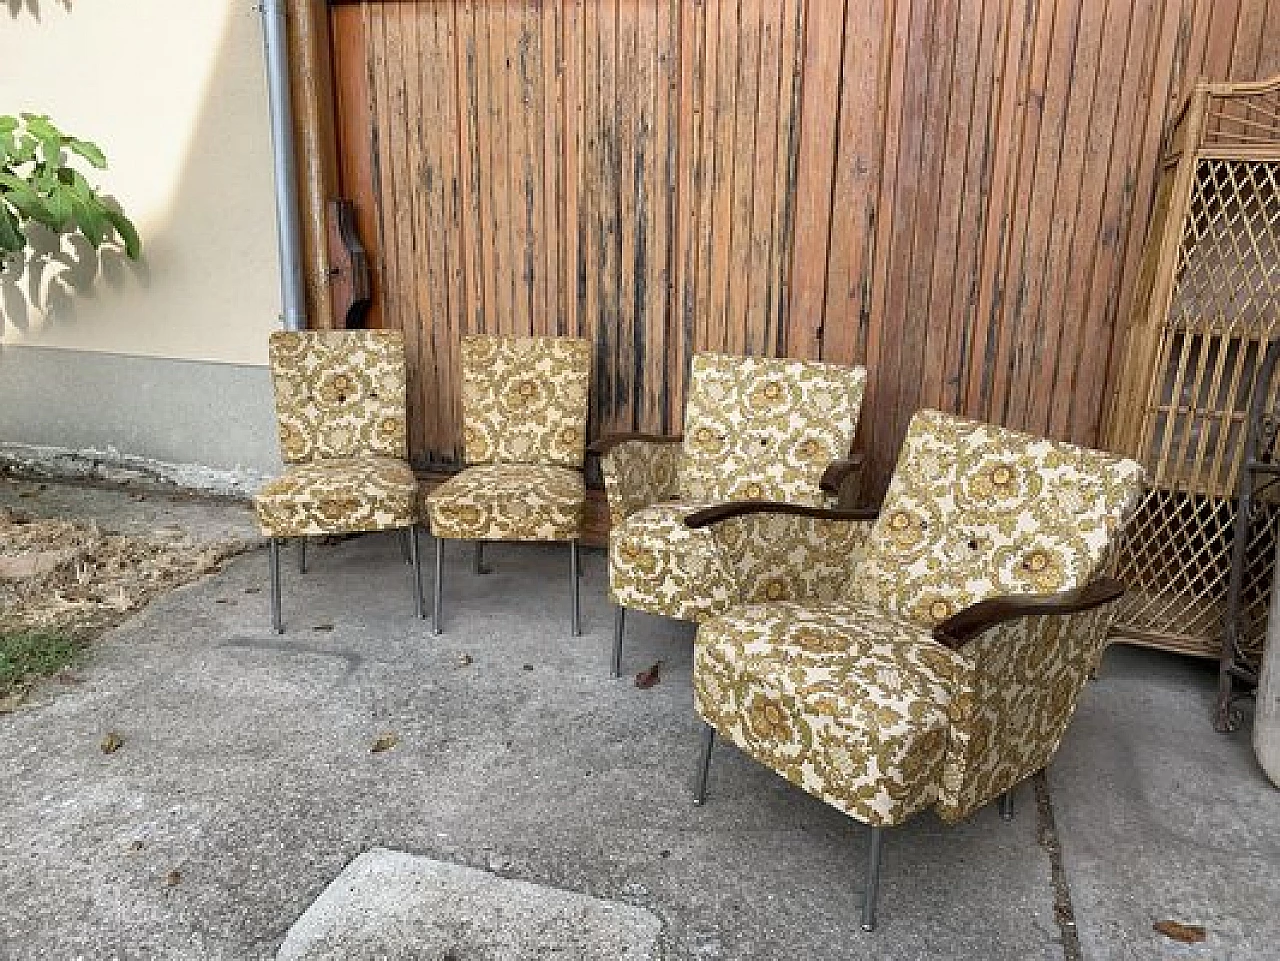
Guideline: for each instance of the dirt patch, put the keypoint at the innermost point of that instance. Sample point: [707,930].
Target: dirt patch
[74,580]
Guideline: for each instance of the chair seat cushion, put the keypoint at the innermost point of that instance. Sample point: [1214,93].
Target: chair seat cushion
[659,566]
[846,702]
[509,502]
[338,497]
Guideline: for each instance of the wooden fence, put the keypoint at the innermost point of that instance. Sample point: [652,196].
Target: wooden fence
[952,192]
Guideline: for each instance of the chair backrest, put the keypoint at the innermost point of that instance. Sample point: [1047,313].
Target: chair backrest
[339,393]
[524,400]
[975,511]
[758,427]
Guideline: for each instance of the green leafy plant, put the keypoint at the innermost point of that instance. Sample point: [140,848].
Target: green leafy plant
[40,185]
[29,654]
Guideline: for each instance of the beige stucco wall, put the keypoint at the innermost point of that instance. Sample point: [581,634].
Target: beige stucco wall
[175,93]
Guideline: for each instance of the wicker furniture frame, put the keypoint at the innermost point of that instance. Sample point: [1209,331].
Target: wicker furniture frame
[1207,306]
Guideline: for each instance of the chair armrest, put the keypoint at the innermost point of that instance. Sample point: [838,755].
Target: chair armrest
[603,445]
[710,516]
[839,471]
[962,627]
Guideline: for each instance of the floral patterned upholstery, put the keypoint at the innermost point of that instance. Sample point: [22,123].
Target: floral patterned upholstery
[524,400]
[339,393]
[845,702]
[847,694]
[340,409]
[509,502]
[659,565]
[339,497]
[763,428]
[976,511]
[524,409]
[755,428]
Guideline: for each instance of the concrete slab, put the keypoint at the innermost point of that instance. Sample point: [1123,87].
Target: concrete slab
[390,906]
[1161,818]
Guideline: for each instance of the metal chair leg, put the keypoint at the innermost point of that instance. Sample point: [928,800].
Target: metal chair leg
[419,606]
[302,554]
[439,589]
[479,567]
[277,622]
[575,611]
[873,880]
[406,552]
[619,626]
[704,763]
[1006,805]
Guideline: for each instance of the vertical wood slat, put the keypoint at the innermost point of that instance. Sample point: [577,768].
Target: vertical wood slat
[953,192]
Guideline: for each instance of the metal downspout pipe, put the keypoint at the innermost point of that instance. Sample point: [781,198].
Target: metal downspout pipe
[288,222]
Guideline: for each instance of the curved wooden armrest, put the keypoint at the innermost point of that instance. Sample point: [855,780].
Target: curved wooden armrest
[840,470]
[723,512]
[962,627]
[610,441]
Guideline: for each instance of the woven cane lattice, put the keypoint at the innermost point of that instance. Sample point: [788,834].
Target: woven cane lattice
[1210,321]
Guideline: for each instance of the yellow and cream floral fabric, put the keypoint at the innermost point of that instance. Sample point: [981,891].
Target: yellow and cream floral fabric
[339,393]
[785,557]
[853,700]
[638,473]
[1023,683]
[658,565]
[338,497]
[847,703]
[976,511]
[509,502]
[755,428]
[524,400]
[759,428]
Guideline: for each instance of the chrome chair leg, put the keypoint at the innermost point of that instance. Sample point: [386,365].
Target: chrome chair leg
[277,622]
[575,611]
[406,552]
[439,589]
[419,606]
[478,563]
[704,763]
[873,880]
[1006,805]
[619,626]
[302,554]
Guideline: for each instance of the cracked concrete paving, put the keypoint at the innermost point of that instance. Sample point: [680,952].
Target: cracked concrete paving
[246,769]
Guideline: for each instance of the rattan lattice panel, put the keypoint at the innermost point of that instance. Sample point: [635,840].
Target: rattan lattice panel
[1212,305]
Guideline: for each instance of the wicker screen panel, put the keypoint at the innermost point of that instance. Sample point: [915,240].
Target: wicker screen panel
[1192,366]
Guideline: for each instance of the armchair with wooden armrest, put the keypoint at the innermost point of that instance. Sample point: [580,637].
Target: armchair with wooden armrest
[927,657]
[754,428]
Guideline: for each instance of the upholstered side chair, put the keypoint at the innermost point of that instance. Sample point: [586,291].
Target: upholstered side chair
[341,416]
[755,428]
[524,417]
[930,656]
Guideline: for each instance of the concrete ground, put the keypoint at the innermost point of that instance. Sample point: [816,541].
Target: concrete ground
[246,782]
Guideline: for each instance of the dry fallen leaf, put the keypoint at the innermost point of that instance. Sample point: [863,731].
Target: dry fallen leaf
[323,627]
[385,742]
[1186,933]
[12,701]
[464,660]
[647,679]
[173,878]
[137,845]
[111,742]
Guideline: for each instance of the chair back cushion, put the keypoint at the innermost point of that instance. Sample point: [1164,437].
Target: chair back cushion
[758,427]
[524,400]
[975,511]
[339,393]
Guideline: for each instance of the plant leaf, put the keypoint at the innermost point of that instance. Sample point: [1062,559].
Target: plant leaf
[11,239]
[89,151]
[127,231]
